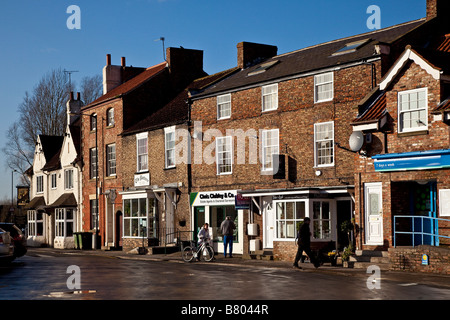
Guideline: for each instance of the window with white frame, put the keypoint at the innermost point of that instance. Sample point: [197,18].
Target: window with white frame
[93,170]
[270,97]
[93,122]
[110,117]
[224,106]
[270,147]
[111,160]
[53,178]
[321,220]
[39,184]
[224,155]
[169,146]
[35,223]
[142,151]
[323,87]
[324,144]
[413,110]
[68,179]
[64,222]
[289,214]
[138,217]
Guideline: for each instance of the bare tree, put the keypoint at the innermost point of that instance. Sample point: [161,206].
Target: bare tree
[91,88]
[43,112]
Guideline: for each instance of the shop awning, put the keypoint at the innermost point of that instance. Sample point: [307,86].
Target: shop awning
[335,190]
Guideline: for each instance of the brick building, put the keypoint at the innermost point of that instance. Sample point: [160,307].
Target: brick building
[156,172]
[402,173]
[272,142]
[130,94]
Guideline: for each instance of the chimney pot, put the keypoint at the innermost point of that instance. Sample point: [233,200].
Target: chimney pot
[122,60]
[108,59]
[71,95]
[78,96]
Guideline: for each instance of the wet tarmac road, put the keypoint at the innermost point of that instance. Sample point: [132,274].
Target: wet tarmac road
[45,276]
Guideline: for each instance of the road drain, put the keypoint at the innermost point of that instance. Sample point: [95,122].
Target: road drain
[68,293]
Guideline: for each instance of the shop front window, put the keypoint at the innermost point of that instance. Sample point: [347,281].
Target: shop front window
[139,217]
[64,222]
[321,220]
[289,214]
[217,216]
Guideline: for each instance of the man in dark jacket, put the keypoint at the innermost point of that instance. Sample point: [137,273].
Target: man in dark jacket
[227,228]
[304,244]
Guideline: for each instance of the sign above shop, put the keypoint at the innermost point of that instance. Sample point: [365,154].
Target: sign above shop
[422,160]
[213,198]
[141,179]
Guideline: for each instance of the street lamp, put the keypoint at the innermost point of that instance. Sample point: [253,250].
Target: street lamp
[11,210]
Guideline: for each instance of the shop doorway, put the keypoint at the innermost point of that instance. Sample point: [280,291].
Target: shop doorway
[344,213]
[199,220]
[415,201]
[373,213]
[217,216]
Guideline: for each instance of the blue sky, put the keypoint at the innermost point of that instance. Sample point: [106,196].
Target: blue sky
[34,37]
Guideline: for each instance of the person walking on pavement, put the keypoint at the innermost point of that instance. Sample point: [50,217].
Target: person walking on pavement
[227,228]
[304,244]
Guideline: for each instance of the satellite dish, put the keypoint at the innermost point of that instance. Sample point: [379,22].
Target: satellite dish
[356,141]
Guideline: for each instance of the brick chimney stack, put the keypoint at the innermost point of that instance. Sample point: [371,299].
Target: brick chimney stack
[437,8]
[249,53]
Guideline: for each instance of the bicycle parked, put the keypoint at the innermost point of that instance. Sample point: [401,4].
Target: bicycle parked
[203,252]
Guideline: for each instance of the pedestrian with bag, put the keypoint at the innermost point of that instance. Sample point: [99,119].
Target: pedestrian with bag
[227,228]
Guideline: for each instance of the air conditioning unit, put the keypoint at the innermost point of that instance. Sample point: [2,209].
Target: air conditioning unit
[252,229]
[255,245]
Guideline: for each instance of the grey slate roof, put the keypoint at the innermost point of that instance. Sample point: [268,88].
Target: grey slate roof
[312,59]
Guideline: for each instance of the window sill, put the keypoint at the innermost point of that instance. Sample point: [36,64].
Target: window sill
[170,168]
[111,177]
[413,133]
[322,101]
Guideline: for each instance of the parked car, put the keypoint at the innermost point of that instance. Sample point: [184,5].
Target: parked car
[18,239]
[6,247]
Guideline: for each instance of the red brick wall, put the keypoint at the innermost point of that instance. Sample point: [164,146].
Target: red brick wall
[295,118]
[105,135]
[437,137]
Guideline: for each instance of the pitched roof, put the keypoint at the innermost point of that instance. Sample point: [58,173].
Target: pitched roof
[313,58]
[443,106]
[50,145]
[177,110]
[130,85]
[373,109]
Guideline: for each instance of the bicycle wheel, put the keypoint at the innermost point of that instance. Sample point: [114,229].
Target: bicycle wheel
[207,253]
[188,254]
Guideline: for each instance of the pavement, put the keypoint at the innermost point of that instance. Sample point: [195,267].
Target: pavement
[403,277]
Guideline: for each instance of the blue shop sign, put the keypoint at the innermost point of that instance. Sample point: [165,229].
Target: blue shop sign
[422,160]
